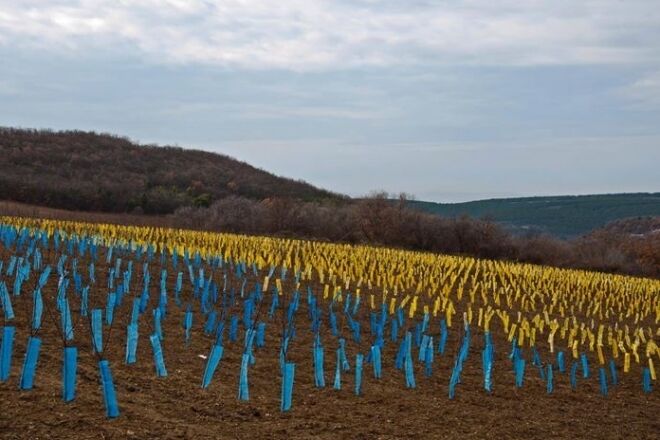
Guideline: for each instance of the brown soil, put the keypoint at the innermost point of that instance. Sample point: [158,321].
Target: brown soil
[177,407]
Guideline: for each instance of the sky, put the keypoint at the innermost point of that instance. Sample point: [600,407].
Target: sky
[449,101]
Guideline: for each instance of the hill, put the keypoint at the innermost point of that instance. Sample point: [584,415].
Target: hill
[562,216]
[89,171]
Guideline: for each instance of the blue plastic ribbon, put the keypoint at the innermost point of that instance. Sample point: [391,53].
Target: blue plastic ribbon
[243,389]
[319,376]
[110,307]
[394,330]
[273,305]
[233,329]
[135,311]
[454,379]
[400,317]
[443,337]
[97,330]
[287,386]
[159,361]
[30,363]
[613,373]
[407,363]
[356,331]
[158,328]
[400,355]
[428,358]
[84,301]
[425,322]
[646,380]
[602,378]
[520,371]
[212,364]
[344,359]
[418,334]
[422,348]
[573,375]
[187,323]
[69,368]
[108,387]
[561,364]
[284,345]
[6,351]
[5,300]
[376,361]
[66,322]
[487,361]
[337,383]
[131,343]
[359,359]
[261,334]
[585,365]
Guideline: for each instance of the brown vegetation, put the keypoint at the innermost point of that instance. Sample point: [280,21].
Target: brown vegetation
[87,171]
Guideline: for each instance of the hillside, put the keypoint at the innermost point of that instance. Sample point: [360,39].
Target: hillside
[88,171]
[563,216]
[636,227]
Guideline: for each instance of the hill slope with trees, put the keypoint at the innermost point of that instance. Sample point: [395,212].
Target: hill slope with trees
[562,216]
[88,171]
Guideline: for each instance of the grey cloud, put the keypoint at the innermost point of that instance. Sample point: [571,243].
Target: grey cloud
[447,100]
[308,35]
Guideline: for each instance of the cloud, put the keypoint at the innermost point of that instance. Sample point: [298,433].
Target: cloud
[644,93]
[8,88]
[277,112]
[309,35]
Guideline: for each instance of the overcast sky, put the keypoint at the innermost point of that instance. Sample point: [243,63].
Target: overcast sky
[447,100]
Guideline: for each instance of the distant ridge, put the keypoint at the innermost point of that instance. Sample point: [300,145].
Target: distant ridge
[88,171]
[562,216]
